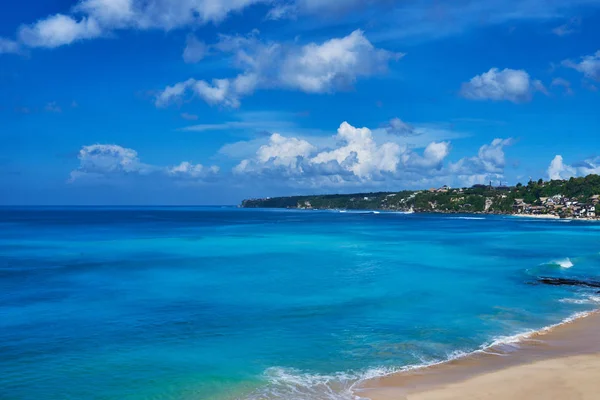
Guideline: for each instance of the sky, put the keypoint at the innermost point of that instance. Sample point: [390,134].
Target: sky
[161,102]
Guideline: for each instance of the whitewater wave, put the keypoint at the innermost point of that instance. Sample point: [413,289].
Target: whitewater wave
[563,263]
[589,299]
[293,384]
[468,218]
[357,212]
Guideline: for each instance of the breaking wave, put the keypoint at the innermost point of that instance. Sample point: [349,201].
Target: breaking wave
[293,384]
[563,263]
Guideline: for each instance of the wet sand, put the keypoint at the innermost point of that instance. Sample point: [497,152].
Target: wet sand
[558,363]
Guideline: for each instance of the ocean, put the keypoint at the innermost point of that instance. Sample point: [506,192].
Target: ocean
[224,303]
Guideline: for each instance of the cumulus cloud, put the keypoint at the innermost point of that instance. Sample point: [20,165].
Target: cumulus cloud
[490,160]
[508,84]
[589,66]
[359,153]
[358,159]
[326,67]
[558,169]
[106,161]
[334,64]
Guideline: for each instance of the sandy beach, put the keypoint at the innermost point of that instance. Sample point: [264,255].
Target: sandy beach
[559,363]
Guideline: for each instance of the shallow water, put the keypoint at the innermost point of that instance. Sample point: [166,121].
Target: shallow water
[224,303]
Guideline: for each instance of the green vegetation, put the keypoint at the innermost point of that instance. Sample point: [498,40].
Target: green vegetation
[479,198]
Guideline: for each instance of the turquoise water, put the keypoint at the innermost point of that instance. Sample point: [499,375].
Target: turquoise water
[224,303]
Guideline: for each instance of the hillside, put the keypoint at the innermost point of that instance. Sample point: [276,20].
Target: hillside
[576,197]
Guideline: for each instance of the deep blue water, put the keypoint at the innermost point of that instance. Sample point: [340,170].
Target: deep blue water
[224,303]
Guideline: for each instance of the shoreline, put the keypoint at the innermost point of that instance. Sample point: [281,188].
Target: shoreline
[432,212]
[539,216]
[558,348]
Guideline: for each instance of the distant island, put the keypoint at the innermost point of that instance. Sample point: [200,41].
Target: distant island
[572,198]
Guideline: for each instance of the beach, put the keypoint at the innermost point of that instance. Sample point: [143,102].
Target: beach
[561,362]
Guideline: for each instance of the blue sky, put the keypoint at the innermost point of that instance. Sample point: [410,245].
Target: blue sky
[209,102]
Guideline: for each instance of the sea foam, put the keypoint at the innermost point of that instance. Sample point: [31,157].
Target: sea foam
[293,384]
[563,263]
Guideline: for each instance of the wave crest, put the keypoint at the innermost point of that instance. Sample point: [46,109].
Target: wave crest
[564,263]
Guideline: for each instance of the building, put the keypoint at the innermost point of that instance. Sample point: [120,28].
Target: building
[519,206]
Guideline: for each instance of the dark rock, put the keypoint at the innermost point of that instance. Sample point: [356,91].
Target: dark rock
[569,282]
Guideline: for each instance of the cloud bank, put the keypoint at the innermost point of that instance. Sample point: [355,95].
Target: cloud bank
[357,159]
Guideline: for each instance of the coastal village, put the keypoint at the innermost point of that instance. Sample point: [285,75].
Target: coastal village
[559,206]
[576,198]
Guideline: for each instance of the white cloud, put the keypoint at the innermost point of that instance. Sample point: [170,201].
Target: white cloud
[393,19]
[359,153]
[90,19]
[327,67]
[334,64]
[433,156]
[490,160]
[559,170]
[110,13]
[282,11]
[508,84]
[191,171]
[195,50]
[106,161]
[160,14]
[173,93]
[589,66]
[357,159]
[58,30]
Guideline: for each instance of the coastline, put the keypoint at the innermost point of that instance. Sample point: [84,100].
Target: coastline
[539,216]
[554,217]
[559,361]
